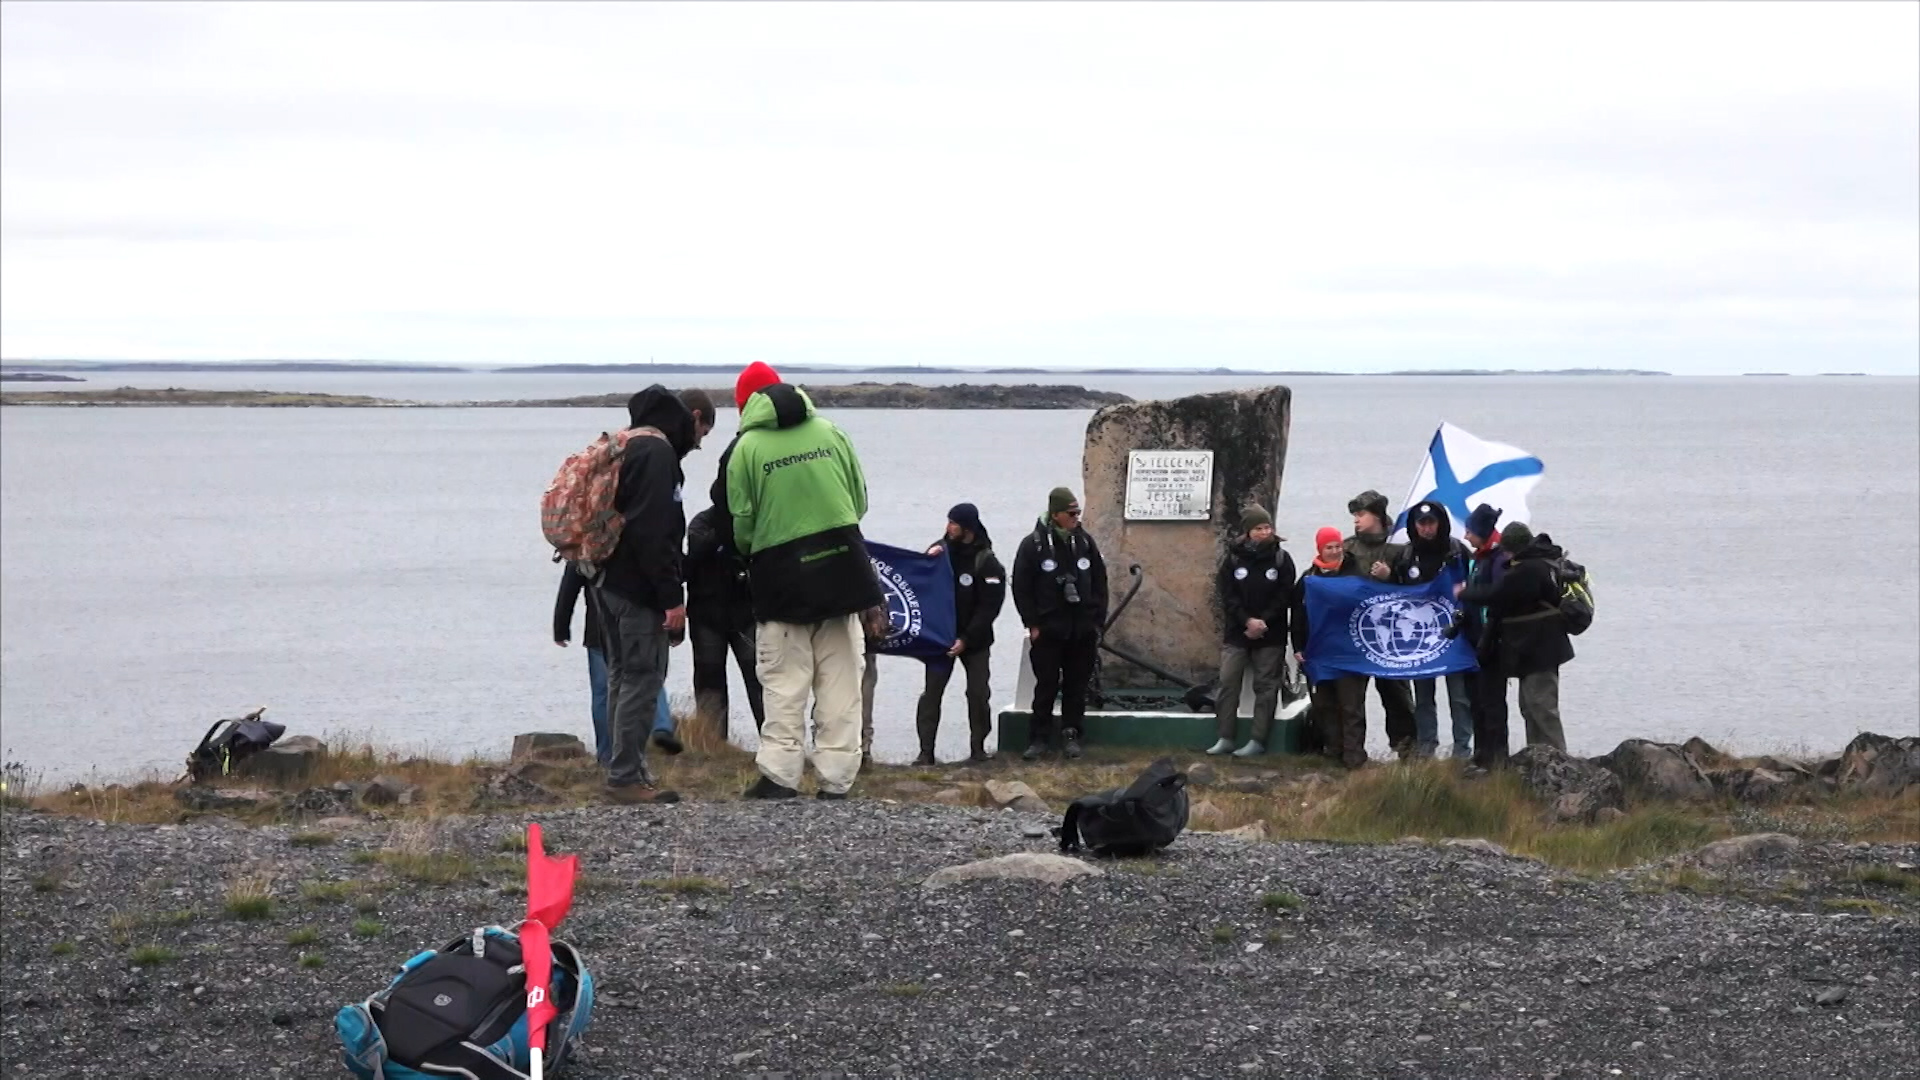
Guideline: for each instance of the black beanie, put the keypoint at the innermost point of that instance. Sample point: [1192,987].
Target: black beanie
[1515,538]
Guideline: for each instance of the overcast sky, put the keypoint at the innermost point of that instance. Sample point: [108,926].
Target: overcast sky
[1695,187]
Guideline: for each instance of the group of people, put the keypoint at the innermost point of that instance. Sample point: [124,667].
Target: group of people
[775,574]
[1509,601]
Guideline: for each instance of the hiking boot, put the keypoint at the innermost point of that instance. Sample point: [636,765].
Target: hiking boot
[639,794]
[1253,748]
[1072,749]
[830,796]
[1032,752]
[668,741]
[1221,747]
[767,788]
[979,756]
[926,758]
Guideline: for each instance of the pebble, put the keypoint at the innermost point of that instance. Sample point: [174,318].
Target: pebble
[1833,995]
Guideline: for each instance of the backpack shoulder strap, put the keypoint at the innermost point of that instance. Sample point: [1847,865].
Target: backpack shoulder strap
[1069,830]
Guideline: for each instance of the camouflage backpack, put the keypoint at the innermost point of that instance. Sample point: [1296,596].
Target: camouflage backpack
[577,513]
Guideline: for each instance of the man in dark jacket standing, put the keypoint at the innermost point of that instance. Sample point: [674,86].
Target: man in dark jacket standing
[1255,585]
[1528,635]
[1486,565]
[1060,590]
[1431,552]
[1375,557]
[641,602]
[719,620]
[979,591]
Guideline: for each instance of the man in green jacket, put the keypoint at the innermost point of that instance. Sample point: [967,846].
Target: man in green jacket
[797,495]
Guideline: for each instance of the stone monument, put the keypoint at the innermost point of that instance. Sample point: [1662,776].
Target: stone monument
[1164,484]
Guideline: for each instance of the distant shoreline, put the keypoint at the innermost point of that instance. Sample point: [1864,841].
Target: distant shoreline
[852,396]
[726,372]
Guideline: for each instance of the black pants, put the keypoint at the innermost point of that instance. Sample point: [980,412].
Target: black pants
[979,700]
[1062,667]
[712,638]
[1489,718]
[1396,698]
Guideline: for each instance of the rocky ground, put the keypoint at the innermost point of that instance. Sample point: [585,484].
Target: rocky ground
[800,940]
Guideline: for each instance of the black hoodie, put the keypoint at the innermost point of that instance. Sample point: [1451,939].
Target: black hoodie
[1256,581]
[1423,560]
[645,567]
[1527,633]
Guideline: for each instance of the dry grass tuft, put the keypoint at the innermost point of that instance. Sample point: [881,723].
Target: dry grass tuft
[250,898]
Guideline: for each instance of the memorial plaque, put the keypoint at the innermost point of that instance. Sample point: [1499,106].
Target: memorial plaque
[1169,485]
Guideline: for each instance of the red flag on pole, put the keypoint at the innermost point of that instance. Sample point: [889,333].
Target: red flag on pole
[549,898]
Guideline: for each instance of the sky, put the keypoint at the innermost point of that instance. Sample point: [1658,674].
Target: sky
[1703,188]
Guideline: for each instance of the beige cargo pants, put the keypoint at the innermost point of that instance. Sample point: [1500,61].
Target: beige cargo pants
[828,660]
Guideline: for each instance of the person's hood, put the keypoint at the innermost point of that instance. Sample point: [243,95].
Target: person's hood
[1541,547]
[1443,540]
[779,406]
[700,531]
[657,407]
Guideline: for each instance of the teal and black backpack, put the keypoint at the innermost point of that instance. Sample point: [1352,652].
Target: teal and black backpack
[461,1010]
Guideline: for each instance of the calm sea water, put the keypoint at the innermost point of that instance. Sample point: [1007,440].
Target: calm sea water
[1756,544]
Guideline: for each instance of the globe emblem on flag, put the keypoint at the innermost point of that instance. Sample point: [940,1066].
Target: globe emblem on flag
[903,608]
[1401,631]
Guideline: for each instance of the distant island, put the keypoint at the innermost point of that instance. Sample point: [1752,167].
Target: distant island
[863,395]
[36,376]
[723,372]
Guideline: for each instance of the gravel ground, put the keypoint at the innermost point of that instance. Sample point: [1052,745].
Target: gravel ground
[818,953]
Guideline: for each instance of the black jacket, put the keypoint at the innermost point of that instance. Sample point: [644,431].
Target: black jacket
[645,567]
[1525,633]
[1043,568]
[1256,582]
[717,587]
[571,585]
[1297,628]
[979,590]
[1420,561]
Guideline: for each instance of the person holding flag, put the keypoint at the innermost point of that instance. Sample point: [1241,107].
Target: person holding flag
[1432,551]
[979,591]
[1375,554]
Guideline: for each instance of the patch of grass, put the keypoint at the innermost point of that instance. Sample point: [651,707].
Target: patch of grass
[904,990]
[250,898]
[369,928]
[1282,901]
[312,961]
[1275,937]
[153,956]
[180,917]
[1223,935]
[49,881]
[366,905]
[1857,904]
[513,841]
[303,937]
[1685,879]
[1885,875]
[1430,799]
[325,892]
[1643,836]
[428,867]
[316,838]
[594,883]
[684,884]
[62,948]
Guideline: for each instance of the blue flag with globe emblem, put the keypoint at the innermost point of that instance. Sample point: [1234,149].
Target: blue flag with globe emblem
[1359,626]
[918,596]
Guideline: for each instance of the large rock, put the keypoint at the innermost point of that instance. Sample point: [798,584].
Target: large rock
[1659,770]
[289,759]
[1574,790]
[549,744]
[1749,850]
[1053,870]
[1174,622]
[1879,765]
[212,798]
[388,791]
[1757,786]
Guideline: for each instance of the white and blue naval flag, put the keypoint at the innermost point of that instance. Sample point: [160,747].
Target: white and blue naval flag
[1462,471]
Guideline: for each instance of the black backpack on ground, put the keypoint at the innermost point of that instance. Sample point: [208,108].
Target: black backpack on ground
[230,741]
[1139,819]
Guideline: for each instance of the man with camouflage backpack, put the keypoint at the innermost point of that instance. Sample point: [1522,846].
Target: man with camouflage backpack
[1526,636]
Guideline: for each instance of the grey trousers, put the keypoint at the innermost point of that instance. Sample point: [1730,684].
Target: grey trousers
[979,700]
[636,647]
[1540,708]
[1426,713]
[1269,668]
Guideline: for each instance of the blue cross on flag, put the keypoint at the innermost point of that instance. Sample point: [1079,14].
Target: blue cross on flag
[1462,471]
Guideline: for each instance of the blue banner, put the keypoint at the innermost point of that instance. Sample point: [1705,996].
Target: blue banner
[1359,626]
[918,592]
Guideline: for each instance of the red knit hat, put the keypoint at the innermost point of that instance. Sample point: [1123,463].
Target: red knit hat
[1327,535]
[757,376]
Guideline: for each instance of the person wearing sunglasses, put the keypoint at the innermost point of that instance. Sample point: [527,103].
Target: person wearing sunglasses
[1060,590]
